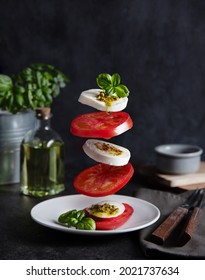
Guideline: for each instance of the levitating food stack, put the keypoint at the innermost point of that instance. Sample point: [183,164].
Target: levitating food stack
[113,170]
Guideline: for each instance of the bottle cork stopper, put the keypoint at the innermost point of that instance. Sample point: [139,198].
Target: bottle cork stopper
[43,113]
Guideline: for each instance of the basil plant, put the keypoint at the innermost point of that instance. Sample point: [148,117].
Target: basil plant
[35,86]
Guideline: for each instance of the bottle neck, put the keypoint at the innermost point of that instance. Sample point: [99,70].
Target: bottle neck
[43,116]
[44,124]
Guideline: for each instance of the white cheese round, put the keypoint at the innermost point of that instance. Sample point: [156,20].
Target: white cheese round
[106,209]
[89,97]
[106,152]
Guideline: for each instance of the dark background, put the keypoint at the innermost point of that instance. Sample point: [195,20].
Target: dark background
[158,48]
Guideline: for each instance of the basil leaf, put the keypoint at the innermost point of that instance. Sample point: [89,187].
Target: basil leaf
[56,90]
[46,90]
[37,67]
[80,226]
[122,91]
[18,89]
[19,99]
[89,224]
[110,90]
[38,77]
[41,104]
[80,215]
[10,101]
[38,93]
[65,217]
[27,75]
[86,224]
[42,98]
[5,83]
[62,84]
[45,82]
[49,66]
[103,80]
[111,86]
[30,98]
[48,76]
[73,221]
[64,78]
[48,98]
[115,79]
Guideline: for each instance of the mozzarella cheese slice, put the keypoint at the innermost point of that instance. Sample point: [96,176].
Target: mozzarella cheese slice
[107,153]
[89,97]
[106,209]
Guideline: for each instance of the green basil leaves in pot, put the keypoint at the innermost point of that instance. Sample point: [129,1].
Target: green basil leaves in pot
[34,87]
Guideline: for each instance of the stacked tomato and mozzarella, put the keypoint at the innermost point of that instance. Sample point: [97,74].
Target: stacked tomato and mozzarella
[113,170]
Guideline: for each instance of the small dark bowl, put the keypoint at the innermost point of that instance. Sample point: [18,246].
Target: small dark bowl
[178,158]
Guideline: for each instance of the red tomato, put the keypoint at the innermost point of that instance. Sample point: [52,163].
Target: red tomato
[101,124]
[113,223]
[103,179]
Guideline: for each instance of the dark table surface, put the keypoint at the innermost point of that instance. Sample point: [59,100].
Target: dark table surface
[23,238]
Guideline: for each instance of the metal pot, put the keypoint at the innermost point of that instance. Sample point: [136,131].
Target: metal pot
[13,127]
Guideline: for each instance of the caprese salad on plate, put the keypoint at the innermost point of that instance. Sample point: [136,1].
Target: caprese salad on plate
[81,207]
[104,215]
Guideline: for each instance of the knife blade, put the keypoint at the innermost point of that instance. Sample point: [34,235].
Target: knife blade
[165,229]
[192,221]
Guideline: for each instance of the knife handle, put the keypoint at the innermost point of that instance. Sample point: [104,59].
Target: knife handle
[191,225]
[161,234]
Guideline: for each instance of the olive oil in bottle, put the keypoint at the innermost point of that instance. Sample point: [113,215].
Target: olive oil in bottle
[42,160]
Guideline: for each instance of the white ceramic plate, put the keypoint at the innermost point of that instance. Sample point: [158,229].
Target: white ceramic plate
[47,212]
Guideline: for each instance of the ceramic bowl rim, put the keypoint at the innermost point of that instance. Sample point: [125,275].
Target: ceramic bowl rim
[169,150]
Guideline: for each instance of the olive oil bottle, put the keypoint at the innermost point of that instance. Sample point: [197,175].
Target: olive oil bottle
[42,159]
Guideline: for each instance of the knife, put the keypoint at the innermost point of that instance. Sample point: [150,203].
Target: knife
[162,233]
[193,220]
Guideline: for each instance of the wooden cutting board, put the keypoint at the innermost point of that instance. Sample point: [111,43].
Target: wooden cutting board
[186,181]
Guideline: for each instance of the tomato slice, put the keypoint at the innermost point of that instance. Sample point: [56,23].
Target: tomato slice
[103,179]
[113,223]
[101,124]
